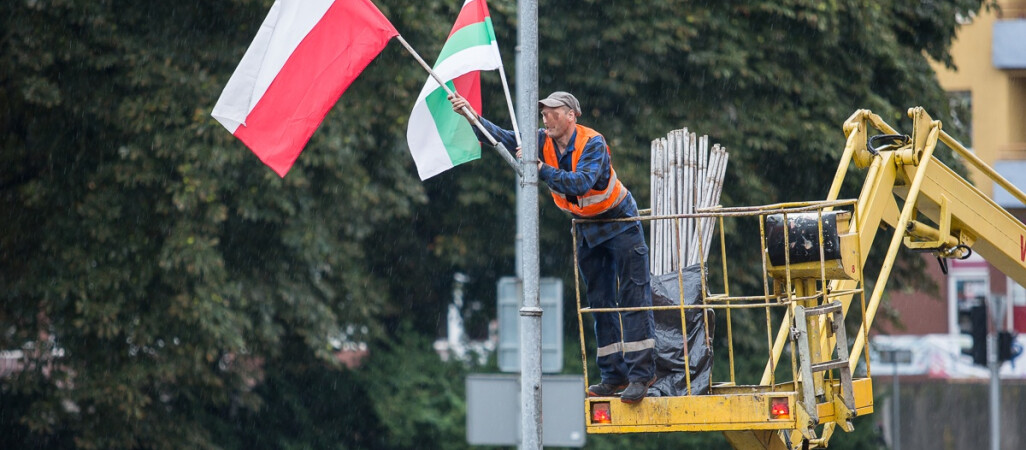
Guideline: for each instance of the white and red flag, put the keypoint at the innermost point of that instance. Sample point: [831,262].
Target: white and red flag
[305,55]
[439,139]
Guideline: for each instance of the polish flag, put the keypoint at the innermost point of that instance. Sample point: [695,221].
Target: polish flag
[305,55]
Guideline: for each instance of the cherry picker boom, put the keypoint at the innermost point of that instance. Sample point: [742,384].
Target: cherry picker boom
[812,256]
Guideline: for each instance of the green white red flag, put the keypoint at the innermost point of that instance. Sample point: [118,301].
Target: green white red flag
[304,56]
[440,139]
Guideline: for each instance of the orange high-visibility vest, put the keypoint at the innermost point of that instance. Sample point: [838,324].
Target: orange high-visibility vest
[593,202]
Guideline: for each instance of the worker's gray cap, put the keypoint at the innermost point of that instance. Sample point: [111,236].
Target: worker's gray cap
[560,98]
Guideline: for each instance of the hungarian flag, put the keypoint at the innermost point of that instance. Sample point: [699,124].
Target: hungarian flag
[305,55]
[439,139]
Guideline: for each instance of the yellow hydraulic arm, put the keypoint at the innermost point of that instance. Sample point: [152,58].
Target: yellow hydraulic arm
[906,189]
[962,217]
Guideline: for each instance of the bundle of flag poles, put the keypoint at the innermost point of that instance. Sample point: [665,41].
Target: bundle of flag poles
[686,176]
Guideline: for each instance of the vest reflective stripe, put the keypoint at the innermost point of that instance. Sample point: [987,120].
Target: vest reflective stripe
[593,202]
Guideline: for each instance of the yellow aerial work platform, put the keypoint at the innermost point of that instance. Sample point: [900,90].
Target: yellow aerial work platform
[792,289]
[728,408]
[812,256]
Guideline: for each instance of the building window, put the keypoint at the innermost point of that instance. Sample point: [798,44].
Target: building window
[1016,314]
[968,286]
[1016,293]
[961,105]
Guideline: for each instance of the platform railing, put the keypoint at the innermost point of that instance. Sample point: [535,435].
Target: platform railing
[779,294]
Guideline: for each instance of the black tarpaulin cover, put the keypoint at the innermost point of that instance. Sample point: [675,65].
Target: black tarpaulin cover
[669,339]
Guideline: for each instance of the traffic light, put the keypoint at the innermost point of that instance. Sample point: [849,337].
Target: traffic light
[1005,344]
[973,322]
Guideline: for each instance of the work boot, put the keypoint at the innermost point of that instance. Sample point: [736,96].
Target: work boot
[636,391]
[605,389]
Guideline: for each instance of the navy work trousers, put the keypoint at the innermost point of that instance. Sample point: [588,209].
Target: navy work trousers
[616,274]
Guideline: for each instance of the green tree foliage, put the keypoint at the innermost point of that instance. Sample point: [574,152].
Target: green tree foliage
[150,262]
[399,399]
[165,288]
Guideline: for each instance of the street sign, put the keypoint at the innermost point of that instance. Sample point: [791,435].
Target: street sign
[550,296]
[895,356]
[493,410]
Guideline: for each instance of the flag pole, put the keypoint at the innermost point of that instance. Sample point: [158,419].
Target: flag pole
[509,103]
[466,111]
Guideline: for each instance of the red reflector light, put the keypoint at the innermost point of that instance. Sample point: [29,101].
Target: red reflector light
[779,408]
[600,413]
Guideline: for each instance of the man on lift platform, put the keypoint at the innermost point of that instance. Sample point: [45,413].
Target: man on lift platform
[576,164]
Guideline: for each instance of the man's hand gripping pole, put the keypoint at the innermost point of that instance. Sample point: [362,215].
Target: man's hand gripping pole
[467,112]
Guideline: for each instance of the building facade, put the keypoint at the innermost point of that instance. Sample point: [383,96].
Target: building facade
[987,91]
